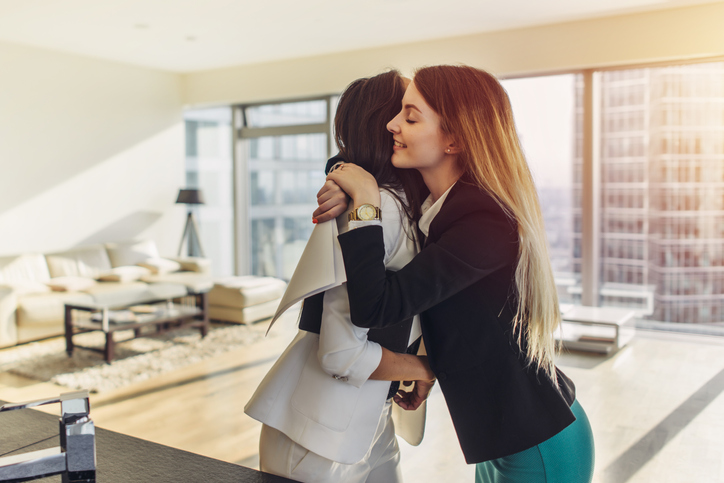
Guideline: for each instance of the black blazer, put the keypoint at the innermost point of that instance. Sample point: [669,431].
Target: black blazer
[462,283]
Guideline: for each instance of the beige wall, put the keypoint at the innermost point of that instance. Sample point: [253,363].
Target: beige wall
[663,35]
[90,151]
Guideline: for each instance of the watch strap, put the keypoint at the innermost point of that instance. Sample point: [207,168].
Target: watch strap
[353,216]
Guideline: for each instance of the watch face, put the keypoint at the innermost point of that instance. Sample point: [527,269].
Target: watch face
[367,212]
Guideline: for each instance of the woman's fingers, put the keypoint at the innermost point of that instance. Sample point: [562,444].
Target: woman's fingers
[411,400]
[330,190]
[357,183]
[328,211]
[332,202]
[402,399]
[351,178]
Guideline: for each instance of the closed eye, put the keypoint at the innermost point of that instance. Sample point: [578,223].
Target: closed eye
[410,121]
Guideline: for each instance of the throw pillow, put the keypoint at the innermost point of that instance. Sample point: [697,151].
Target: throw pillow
[70,284]
[129,273]
[195,264]
[159,266]
[131,253]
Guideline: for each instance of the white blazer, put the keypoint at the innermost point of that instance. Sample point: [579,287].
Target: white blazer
[318,392]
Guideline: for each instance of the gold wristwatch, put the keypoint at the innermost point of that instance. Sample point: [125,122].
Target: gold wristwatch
[365,212]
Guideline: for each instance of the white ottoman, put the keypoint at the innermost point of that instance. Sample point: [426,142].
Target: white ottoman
[245,299]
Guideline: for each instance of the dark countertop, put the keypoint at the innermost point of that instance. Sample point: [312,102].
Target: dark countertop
[121,458]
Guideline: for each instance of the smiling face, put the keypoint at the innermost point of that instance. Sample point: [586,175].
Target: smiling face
[419,142]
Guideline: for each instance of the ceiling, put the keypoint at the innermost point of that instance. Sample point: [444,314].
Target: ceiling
[192,35]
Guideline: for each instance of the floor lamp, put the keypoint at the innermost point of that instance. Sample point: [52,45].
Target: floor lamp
[191,197]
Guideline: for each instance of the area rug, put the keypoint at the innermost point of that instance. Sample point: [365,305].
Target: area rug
[136,359]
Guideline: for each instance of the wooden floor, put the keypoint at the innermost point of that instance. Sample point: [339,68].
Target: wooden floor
[656,408]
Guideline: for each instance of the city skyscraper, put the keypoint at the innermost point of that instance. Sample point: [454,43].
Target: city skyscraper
[662,189]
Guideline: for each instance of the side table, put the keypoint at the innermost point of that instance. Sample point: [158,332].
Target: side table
[596,329]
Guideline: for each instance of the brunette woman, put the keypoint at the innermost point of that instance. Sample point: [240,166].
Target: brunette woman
[482,282]
[326,403]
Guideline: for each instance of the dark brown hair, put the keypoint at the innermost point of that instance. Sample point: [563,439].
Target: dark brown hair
[365,107]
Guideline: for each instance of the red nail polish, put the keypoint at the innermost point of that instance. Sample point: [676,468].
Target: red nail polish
[314,220]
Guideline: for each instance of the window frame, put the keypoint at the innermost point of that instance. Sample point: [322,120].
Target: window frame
[242,133]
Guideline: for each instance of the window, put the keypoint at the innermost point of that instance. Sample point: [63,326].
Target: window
[282,149]
[209,167]
[671,142]
[547,129]
[660,172]
[658,176]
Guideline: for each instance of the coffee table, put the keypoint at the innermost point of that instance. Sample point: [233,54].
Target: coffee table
[161,315]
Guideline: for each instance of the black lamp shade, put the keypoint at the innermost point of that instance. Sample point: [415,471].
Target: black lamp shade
[190,197]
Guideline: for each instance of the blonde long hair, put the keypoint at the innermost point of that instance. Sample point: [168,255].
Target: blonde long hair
[475,111]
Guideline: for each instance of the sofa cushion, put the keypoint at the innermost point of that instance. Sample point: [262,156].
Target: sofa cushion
[194,264]
[70,284]
[130,293]
[160,266]
[47,309]
[27,288]
[163,290]
[41,316]
[129,273]
[23,268]
[246,315]
[246,291]
[131,253]
[194,282]
[117,293]
[89,261]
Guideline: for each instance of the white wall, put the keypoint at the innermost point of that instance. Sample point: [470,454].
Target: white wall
[90,151]
[654,36]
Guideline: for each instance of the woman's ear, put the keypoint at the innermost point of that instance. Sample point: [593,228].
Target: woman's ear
[452,148]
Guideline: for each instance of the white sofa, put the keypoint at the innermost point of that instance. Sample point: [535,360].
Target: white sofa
[35,287]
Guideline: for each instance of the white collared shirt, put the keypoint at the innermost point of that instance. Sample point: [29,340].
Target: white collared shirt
[430,210]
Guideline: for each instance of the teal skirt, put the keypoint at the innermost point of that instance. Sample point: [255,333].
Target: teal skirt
[567,457]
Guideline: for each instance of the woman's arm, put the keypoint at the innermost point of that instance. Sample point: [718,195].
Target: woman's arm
[470,238]
[470,249]
[332,200]
[344,350]
[360,185]
[407,368]
[402,367]
[473,238]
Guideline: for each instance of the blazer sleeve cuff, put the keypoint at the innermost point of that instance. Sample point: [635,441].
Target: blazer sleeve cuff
[367,363]
[367,241]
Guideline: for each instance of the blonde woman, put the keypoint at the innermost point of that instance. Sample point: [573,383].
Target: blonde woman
[482,283]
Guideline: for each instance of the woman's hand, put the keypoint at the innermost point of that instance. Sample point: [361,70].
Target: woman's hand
[357,183]
[411,400]
[332,202]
